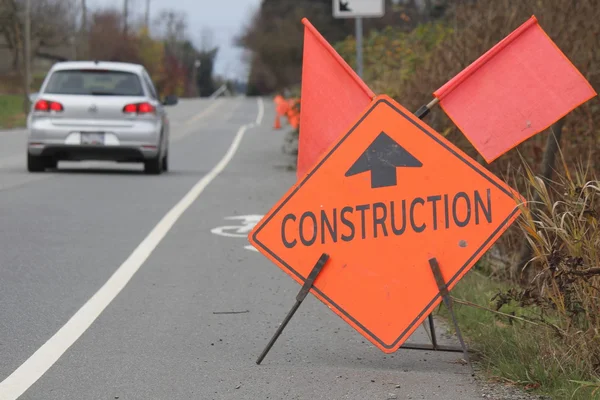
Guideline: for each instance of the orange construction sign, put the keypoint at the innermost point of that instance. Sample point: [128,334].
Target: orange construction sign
[389,195]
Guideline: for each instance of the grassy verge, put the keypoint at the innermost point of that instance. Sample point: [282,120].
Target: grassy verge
[517,350]
[11,99]
[11,111]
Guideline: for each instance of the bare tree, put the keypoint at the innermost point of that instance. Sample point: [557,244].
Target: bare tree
[174,25]
[52,24]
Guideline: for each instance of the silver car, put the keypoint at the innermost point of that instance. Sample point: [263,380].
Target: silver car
[89,110]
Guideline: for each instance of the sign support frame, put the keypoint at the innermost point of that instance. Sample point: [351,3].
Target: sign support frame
[443,287]
[435,269]
[308,284]
[421,113]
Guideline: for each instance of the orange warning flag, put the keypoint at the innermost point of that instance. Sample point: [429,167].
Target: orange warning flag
[517,89]
[332,97]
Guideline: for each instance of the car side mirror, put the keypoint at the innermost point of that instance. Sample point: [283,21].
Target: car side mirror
[33,97]
[170,100]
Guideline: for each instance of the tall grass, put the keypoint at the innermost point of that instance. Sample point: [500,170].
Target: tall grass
[553,340]
[562,230]
[545,334]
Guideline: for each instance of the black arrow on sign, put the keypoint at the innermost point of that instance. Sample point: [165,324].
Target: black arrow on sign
[344,6]
[382,157]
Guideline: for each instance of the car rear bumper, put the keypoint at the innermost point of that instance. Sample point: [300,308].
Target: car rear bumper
[99,152]
[127,144]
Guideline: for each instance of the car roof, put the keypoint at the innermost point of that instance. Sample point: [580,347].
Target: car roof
[110,65]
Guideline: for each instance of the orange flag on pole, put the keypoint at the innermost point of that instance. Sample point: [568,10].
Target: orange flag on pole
[332,97]
[517,89]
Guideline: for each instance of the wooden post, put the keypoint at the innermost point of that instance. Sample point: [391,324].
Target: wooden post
[27,55]
[125,16]
[147,16]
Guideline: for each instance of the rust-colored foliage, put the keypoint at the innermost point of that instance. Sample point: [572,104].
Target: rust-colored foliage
[481,24]
[476,26]
[108,42]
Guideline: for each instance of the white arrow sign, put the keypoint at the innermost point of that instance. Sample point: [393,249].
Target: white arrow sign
[358,8]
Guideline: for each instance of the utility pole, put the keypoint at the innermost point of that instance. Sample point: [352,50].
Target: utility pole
[125,16]
[147,17]
[82,38]
[83,16]
[73,43]
[27,55]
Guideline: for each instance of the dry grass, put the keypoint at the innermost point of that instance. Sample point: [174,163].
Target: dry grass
[545,335]
[477,26]
[542,332]
[562,229]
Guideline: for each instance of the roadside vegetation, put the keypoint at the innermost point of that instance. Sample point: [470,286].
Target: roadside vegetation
[531,307]
[543,335]
[540,285]
[11,111]
[71,30]
[12,114]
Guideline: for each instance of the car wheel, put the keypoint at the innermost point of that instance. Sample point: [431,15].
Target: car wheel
[153,166]
[165,162]
[35,163]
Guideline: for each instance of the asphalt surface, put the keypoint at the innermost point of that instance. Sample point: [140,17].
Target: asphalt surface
[65,233]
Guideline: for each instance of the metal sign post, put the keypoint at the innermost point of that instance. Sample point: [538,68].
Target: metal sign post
[359,58]
[358,9]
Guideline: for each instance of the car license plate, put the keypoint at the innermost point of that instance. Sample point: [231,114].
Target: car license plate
[92,138]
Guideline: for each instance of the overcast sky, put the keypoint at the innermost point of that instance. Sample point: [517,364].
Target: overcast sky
[224,17]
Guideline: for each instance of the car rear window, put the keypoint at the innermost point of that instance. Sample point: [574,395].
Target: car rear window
[94,82]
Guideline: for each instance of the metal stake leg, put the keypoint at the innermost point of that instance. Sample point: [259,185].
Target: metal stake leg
[299,299]
[432,331]
[437,273]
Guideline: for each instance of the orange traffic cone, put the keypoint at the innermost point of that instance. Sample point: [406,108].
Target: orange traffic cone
[277,124]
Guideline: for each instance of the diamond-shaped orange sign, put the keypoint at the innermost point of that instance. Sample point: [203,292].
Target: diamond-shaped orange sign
[388,196]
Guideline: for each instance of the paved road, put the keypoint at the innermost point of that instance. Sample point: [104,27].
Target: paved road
[95,315]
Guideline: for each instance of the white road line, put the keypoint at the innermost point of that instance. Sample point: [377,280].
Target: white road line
[209,110]
[261,111]
[37,365]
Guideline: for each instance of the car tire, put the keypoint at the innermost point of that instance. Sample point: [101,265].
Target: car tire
[165,162]
[153,166]
[36,163]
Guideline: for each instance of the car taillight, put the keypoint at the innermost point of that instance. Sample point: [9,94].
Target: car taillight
[139,108]
[130,108]
[145,108]
[45,105]
[54,106]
